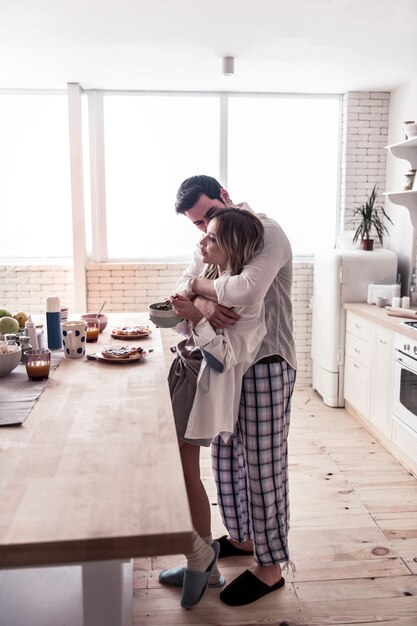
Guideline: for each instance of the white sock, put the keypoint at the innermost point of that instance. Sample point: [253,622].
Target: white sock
[215,574]
[201,555]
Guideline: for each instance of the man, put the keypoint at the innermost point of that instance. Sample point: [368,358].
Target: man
[251,469]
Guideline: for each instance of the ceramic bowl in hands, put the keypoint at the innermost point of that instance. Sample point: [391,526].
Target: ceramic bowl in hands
[103,319]
[162,315]
[9,360]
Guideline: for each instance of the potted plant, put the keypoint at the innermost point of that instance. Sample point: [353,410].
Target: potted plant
[371,217]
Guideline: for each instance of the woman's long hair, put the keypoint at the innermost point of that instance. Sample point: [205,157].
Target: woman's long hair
[240,235]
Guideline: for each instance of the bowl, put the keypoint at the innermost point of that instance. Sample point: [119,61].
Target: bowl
[9,360]
[164,318]
[103,319]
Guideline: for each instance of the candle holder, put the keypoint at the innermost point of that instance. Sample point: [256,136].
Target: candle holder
[38,364]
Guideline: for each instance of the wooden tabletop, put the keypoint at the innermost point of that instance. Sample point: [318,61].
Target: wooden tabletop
[94,472]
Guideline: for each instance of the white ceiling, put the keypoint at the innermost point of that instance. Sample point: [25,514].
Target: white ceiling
[316,46]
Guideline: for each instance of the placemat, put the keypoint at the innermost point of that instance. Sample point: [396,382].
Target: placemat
[18,394]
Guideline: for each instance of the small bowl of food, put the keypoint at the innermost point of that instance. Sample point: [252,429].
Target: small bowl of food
[9,358]
[162,315]
[103,319]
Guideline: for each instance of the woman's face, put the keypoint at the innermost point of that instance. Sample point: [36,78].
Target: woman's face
[210,250]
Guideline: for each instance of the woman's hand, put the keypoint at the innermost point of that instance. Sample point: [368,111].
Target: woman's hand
[183,306]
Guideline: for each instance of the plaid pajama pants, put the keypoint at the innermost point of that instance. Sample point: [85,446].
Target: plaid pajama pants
[251,469]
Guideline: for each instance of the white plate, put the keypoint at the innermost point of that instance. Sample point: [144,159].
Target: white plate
[136,357]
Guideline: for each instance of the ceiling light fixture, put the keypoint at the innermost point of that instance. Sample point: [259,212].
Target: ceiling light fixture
[228,66]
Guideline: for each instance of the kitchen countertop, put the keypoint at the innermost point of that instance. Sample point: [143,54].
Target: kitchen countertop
[380,316]
[95,472]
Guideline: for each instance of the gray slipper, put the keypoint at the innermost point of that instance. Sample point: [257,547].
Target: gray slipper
[195,583]
[175,577]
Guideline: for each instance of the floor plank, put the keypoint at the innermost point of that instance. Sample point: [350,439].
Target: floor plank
[353,537]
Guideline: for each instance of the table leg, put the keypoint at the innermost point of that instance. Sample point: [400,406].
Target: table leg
[107,593]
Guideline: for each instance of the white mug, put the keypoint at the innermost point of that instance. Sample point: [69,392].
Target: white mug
[405,302]
[396,301]
[74,336]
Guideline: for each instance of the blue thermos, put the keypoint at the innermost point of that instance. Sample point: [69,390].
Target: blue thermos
[53,323]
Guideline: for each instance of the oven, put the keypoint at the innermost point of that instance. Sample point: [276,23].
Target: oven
[405,384]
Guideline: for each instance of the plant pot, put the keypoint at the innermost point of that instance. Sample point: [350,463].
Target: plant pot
[367,244]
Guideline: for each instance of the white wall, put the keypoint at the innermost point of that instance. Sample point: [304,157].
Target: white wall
[403,106]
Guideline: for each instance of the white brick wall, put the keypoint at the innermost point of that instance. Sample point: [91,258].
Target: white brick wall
[25,288]
[364,137]
[131,287]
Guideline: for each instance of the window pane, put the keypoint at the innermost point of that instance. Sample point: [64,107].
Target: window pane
[35,197]
[283,160]
[152,143]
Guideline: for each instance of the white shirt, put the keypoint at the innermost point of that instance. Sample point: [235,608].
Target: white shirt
[268,276]
[216,403]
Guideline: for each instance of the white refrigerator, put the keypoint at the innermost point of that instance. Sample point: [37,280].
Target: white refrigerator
[341,276]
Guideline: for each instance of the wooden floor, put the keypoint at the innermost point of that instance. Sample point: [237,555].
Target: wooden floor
[353,536]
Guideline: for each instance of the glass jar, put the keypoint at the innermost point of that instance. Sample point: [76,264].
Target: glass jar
[24,345]
[10,339]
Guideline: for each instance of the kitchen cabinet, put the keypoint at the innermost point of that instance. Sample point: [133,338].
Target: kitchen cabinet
[406,150]
[369,371]
[358,363]
[370,384]
[382,380]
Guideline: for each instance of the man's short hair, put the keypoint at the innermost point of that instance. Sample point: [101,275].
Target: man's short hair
[192,188]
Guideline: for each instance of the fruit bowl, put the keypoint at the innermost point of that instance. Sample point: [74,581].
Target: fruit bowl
[162,315]
[103,319]
[9,360]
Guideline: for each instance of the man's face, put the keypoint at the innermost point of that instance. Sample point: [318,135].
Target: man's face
[204,209]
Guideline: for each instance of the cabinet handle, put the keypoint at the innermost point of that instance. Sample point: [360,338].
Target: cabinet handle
[358,326]
[357,366]
[382,341]
[356,350]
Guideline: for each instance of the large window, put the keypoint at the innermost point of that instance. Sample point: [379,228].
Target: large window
[35,198]
[278,153]
[283,158]
[152,143]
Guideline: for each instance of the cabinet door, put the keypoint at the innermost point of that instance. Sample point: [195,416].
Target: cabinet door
[382,381]
[357,386]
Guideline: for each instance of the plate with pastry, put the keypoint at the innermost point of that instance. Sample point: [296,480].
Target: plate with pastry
[131,332]
[122,354]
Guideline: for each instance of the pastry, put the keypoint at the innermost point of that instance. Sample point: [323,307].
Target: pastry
[122,353]
[126,331]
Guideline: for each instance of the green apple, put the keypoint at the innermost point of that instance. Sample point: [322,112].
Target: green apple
[8,325]
[5,313]
[21,317]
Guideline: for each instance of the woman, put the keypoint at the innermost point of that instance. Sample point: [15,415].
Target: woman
[205,383]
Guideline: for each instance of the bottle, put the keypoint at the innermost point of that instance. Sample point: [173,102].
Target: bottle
[413,289]
[30,331]
[53,323]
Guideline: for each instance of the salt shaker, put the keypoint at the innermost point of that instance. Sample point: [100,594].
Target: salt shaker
[24,345]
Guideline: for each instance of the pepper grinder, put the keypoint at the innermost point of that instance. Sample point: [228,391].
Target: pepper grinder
[53,323]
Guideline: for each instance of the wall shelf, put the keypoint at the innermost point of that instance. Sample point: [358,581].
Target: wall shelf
[405,150]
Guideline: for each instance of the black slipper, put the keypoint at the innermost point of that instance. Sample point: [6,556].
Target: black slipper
[247,588]
[228,549]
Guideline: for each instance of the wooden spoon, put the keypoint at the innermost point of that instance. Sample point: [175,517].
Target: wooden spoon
[100,309]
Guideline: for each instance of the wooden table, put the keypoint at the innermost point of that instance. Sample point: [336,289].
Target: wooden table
[93,477]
